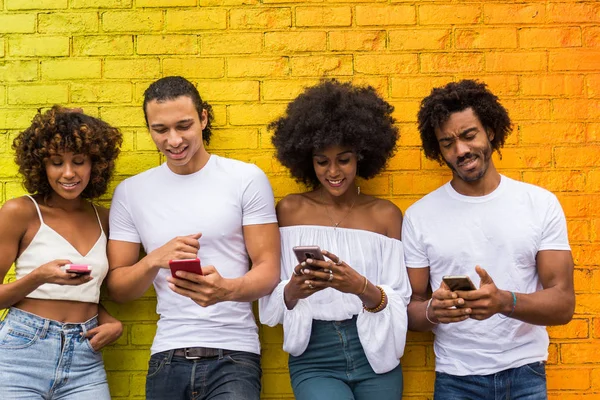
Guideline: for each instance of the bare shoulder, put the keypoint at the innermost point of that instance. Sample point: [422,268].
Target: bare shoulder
[290,207]
[388,215]
[19,212]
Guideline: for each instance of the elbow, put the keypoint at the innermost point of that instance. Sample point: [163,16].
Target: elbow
[565,314]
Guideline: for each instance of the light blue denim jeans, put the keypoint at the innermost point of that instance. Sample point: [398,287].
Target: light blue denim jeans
[334,366]
[527,382]
[45,359]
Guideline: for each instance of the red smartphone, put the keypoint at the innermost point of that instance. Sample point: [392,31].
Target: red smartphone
[189,265]
[458,282]
[304,252]
[81,269]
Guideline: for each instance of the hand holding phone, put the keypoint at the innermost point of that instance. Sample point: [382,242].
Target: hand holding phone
[188,265]
[458,282]
[304,252]
[80,269]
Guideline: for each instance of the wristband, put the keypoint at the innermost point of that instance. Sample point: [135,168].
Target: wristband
[514,305]
[381,305]
[364,288]
[427,312]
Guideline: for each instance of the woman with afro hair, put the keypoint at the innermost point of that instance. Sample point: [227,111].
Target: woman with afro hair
[344,317]
[54,329]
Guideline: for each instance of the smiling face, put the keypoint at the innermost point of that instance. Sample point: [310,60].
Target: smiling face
[335,168]
[465,146]
[176,129]
[68,173]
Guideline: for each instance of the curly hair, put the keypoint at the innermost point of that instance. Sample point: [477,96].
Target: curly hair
[455,97]
[66,130]
[333,113]
[172,87]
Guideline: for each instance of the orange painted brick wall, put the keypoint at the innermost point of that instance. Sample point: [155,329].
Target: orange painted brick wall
[250,57]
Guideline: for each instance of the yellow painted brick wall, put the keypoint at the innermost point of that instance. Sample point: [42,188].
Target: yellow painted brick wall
[250,57]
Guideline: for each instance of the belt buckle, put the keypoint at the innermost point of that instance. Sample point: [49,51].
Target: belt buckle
[186,351]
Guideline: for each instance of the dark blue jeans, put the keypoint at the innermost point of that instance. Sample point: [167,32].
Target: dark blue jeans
[334,367]
[523,383]
[235,376]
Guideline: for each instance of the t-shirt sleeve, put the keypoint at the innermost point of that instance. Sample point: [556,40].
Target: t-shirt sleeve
[121,222]
[415,254]
[554,230]
[257,199]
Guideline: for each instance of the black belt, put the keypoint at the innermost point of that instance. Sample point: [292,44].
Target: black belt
[195,353]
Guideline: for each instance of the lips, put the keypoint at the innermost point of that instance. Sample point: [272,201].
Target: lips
[177,154]
[467,163]
[68,185]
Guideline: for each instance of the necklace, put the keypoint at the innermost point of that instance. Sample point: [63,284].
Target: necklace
[336,224]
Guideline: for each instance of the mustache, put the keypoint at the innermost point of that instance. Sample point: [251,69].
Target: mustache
[465,158]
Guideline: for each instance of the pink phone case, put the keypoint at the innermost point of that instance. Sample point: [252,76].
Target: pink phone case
[191,265]
[82,269]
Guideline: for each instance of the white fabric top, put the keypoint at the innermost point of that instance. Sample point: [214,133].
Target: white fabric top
[157,205]
[502,232]
[379,258]
[47,245]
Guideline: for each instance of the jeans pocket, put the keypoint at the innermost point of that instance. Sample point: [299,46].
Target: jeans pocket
[89,346]
[15,336]
[155,364]
[246,360]
[536,368]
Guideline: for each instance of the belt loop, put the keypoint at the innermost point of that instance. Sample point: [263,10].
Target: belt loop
[170,356]
[220,354]
[45,328]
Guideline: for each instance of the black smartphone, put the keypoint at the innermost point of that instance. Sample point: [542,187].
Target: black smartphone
[458,282]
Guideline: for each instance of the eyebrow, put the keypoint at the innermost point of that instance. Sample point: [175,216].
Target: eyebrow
[178,122]
[463,133]
[338,154]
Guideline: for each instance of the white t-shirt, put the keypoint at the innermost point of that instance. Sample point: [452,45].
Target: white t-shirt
[502,232]
[157,205]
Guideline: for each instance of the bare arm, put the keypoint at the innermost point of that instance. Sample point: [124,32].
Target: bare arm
[553,305]
[128,278]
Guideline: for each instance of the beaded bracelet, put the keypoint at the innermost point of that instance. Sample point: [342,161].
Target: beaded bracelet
[381,305]
[514,305]
[427,312]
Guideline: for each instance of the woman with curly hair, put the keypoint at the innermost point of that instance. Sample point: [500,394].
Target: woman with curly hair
[54,329]
[344,319]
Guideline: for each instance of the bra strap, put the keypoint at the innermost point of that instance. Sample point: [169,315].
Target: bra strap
[98,216]
[37,207]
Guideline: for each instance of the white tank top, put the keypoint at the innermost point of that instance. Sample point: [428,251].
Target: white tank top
[47,245]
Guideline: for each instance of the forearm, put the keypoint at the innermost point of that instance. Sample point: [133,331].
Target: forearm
[256,283]
[417,320]
[129,283]
[551,306]
[13,292]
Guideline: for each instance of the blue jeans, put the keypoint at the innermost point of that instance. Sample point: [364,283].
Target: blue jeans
[523,383]
[45,359]
[334,366]
[235,376]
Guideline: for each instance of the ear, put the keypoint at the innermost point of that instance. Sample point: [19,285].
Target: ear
[490,134]
[204,119]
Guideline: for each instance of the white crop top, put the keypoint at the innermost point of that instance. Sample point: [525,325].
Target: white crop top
[47,245]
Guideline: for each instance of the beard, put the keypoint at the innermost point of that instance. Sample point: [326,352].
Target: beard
[484,154]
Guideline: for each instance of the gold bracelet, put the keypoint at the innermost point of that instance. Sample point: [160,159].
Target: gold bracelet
[381,305]
[365,288]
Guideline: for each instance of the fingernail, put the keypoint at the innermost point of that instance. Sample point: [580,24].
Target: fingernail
[306,271]
[309,260]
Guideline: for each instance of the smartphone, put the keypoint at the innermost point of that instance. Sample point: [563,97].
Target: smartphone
[304,252]
[458,282]
[189,265]
[81,269]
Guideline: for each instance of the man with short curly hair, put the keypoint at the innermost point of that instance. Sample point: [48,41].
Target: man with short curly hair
[508,237]
[196,204]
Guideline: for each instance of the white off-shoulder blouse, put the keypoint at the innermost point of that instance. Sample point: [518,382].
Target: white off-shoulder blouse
[379,258]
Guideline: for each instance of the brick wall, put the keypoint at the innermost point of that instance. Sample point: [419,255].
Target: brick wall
[250,57]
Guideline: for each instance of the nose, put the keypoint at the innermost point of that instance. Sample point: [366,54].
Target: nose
[69,171]
[462,148]
[174,139]
[333,169]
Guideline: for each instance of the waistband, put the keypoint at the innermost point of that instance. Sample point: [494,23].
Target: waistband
[50,325]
